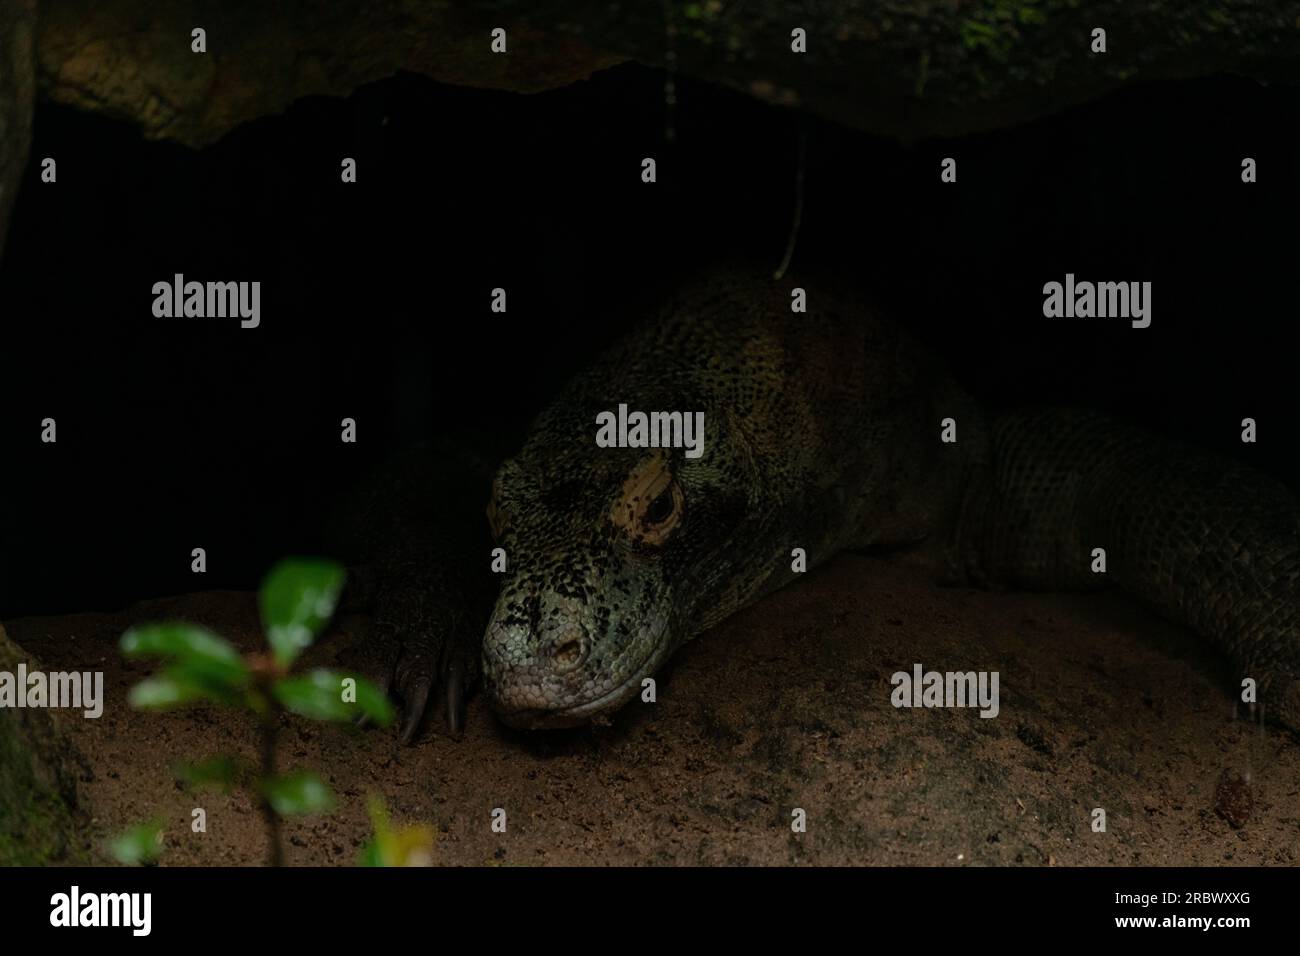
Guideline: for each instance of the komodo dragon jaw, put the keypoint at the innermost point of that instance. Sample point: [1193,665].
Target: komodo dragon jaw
[532,689]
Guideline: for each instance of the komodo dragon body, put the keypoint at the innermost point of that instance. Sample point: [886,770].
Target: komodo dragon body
[823,432]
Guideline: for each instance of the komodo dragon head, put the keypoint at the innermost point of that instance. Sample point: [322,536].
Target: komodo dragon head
[610,551]
[617,555]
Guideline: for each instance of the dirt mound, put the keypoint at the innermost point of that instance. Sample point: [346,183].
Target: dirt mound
[785,706]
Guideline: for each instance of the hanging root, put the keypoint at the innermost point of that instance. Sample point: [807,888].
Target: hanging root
[798,207]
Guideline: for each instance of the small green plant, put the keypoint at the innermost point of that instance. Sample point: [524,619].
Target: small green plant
[396,846]
[138,846]
[297,599]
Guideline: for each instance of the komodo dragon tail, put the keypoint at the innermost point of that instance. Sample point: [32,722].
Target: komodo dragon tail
[1209,542]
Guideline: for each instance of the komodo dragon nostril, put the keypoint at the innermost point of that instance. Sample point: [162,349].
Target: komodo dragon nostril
[570,648]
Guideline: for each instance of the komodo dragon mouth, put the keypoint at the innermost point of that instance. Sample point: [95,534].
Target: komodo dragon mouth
[526,698]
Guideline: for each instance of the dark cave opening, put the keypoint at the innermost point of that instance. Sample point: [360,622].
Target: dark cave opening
[178,434]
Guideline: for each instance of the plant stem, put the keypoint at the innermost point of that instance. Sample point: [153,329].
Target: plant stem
[270,722]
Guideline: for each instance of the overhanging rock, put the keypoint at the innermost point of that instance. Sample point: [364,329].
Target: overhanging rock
[907,68]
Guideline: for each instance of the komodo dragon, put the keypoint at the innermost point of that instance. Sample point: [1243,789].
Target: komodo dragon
[823,432]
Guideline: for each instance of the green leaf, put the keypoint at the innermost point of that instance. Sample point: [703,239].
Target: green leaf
[163,691]
[204,666]
[318,695]
[298,598]
[374,703]
[185,683]
[199,650]
[142,843]
[322,695]
[295,793]
[215,771]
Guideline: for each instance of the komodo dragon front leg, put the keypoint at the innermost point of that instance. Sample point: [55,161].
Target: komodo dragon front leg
[415,537]
[822,432]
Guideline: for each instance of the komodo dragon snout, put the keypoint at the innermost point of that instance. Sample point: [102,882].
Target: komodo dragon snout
[591,607]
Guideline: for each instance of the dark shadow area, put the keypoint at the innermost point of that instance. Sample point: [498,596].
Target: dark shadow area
[175,434]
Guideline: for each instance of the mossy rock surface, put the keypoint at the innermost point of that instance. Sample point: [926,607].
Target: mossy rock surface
[905,68]
[38,781]
[17,91]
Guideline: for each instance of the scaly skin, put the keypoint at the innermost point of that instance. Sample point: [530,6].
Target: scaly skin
[812,428]
[410,536]
[1206,541]
[822,433]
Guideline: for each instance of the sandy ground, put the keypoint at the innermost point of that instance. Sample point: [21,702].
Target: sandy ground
[786,705]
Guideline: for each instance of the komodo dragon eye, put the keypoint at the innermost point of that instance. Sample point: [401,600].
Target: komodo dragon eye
[661,509]
[650,504]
